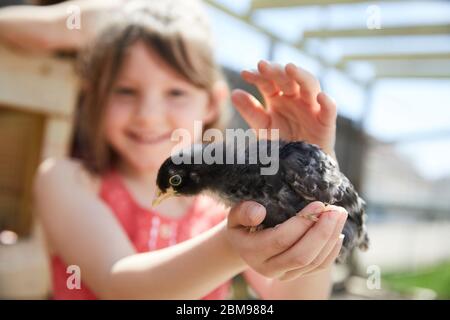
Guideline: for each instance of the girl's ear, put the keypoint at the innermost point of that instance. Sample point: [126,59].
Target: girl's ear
[220,93]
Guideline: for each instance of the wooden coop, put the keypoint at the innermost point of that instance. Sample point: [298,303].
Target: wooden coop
[37,100]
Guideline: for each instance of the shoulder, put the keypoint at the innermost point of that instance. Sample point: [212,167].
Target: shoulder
[61,188]
[55,173]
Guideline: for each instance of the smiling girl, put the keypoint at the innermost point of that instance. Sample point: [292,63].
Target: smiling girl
[149,73]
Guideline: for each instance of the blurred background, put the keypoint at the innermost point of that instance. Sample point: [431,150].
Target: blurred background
[387,65]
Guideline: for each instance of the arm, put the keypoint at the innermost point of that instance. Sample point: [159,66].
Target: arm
[83,231]
[28,27]
[294,104]
[44,28]
[314,286]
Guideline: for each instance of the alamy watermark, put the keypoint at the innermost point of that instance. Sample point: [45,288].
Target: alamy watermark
[373,20]
[373,281]
[238,146]
[73,281]
[73,21]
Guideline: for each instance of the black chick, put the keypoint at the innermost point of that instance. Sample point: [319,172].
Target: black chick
[305,174]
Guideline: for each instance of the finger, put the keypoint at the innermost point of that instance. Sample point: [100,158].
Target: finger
[246,214]
[303,253]
[285,235]
[276,73]
[331,258]
[318,261]
[293,274]
[328,248]
[267,87]
[250,109]
[309,85]
[334,254]
[328,111]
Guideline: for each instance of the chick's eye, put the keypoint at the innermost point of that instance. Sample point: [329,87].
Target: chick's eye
[175,180]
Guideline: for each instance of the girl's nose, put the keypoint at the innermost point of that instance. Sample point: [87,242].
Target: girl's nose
[149,108]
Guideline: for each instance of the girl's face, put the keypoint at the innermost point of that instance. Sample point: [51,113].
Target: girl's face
[149,100]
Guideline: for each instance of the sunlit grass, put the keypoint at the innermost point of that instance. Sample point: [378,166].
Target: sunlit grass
[436,278]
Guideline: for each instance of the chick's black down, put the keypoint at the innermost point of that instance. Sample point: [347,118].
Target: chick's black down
[305,174]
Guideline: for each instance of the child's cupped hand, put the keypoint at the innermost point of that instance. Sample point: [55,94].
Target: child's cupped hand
[294,104]
[292,249]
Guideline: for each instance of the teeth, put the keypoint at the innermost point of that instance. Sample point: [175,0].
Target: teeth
[146,138]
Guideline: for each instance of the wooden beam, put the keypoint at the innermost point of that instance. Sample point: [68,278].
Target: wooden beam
[270,4]
[276,39]
[417,30]
[375,58]
[400,56]
[37,83]
[394,74]
[438,69]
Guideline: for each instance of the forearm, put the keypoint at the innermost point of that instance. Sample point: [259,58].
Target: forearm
[189,270]
[316,286]
[26,26]
[45,28]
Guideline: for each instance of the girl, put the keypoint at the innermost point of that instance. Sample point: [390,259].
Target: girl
[149,73]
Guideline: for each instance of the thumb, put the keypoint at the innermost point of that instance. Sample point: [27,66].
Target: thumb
[246,214]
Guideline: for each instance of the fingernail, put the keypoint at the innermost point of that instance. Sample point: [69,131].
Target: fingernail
[313,211]
[333,100]
[255,210]
[239,98]
[318,210]
[291,65]
[341,236]
[263,63]
[332,215]
[343,215]
[338,210]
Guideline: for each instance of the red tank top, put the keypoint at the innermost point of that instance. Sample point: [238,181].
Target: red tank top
[147,230]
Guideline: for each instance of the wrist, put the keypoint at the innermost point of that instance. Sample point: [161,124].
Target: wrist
[230,250]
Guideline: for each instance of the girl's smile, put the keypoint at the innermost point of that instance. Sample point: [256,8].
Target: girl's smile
[147,138]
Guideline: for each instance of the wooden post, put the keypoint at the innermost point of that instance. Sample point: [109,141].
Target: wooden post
[38,95]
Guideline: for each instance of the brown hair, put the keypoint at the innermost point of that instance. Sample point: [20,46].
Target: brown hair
[177,30]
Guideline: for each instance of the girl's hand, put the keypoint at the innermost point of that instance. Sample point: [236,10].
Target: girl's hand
[294,248]
[294,104]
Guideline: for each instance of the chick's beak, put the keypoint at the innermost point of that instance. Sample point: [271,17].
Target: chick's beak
[161,196]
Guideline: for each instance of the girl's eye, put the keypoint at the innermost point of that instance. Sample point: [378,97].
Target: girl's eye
[177,93]
[125,91]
